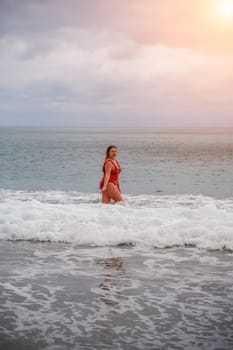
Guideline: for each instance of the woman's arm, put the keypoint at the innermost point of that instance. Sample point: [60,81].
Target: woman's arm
[108,168]
[118,186]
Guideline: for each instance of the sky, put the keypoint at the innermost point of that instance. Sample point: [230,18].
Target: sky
[116,63]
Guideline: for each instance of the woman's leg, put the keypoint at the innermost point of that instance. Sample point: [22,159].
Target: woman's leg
[113,193]
[105,197]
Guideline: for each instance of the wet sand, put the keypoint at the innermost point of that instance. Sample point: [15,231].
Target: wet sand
[55,296]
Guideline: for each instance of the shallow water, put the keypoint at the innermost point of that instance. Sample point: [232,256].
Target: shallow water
[145,220]
[153,272]
[57,296]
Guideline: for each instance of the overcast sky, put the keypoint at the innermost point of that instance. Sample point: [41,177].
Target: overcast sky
[116,63]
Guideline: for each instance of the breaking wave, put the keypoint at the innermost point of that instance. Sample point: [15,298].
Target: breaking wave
[147,220]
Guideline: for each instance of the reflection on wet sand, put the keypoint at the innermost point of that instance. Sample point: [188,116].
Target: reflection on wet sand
[109,289]
[111,263]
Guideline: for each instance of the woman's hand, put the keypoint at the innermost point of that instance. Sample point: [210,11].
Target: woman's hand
[103,189]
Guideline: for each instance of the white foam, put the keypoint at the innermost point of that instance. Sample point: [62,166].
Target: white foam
[80,218]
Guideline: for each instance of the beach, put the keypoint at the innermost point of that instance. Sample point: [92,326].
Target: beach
[152,272]
[62,297]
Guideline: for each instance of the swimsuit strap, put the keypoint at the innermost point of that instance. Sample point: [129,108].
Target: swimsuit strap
[116,169]
[109,160]
[118,164]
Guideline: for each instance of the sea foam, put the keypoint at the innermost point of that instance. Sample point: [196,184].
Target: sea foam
[146,220]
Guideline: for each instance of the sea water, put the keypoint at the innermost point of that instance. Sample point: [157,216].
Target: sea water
[152,272]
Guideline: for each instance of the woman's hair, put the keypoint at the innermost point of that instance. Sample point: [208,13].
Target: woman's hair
[108,150]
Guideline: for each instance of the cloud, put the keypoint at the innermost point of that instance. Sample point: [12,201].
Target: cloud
[81,62]
[179,23]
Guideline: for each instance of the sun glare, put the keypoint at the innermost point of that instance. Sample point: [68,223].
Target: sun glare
[226,7]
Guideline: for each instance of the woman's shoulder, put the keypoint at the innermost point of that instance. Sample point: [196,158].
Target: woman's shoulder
[108,161]
[114,163]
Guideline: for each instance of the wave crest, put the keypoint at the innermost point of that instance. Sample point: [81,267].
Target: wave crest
[80,218]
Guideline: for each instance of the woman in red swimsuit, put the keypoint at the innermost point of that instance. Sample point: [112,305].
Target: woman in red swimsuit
[109,185]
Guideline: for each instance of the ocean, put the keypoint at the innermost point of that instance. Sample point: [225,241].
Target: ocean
[152,272]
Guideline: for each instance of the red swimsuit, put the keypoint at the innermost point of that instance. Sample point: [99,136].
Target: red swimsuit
[114,173]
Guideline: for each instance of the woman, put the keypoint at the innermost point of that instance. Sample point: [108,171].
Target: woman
[109,185]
